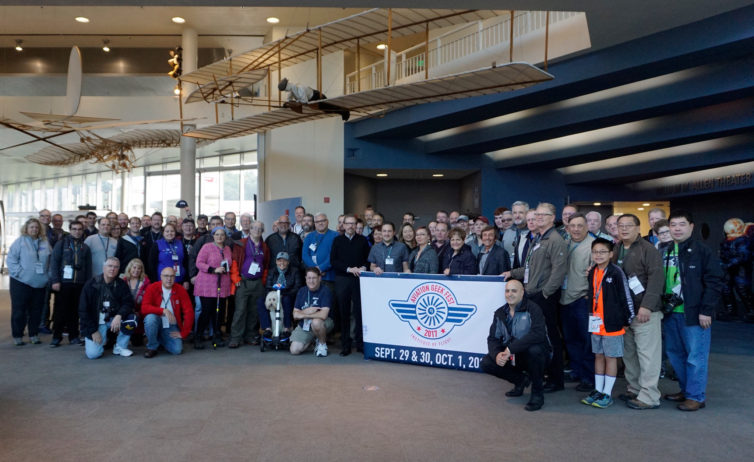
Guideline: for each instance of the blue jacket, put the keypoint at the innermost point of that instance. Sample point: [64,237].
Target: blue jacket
[24,255]
[317,247]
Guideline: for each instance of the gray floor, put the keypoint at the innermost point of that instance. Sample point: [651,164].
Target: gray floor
[229,405]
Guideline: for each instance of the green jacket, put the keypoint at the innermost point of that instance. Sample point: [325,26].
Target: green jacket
[548,263]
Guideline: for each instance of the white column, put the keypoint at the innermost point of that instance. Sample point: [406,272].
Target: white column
[188,145]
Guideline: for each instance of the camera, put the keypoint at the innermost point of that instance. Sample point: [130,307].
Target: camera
[670,302]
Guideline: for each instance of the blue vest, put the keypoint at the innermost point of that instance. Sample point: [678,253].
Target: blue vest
[165,258]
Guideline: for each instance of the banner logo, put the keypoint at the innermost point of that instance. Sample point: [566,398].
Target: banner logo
[432,310]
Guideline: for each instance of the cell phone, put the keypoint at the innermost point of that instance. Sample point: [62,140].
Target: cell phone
[224,264]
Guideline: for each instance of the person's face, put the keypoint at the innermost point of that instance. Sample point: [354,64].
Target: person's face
[44,217]
[680,229]
[577,228]
[172,219]
[601,254]
[167,277]
[146,221]
[313,281]
[441,217]
[104,227]
[408,219]
[187,228]
[478,227]
[408,234]
[256,231]
[387,234]
[340,222]
[219,237]
[136,270]
[307,223]
[627,229]
[507,221]
[611,224]
[349,226]
[567,212]
[230,220]
[282,264]
[299,213]
[245,223]
[464,225]
[514,292]
[488,239]
[368,215]
[123,220]
[77,230]
[168,233]
[377,236]
[320,222]
[377,221]
[441,232]
[134,225]
[593,223]
[531,221]
[432,226]
[215,223]
[422,237]
[115,232]
[545,218]
[654,217]
[110,270]
[499,221]
[456,242]
[156,222]
[57,221]
[33,229]
[202,223]
[453,217]
[284,224]
[113,217]
[359,228]
[664,234]
[90,220]
[519,214]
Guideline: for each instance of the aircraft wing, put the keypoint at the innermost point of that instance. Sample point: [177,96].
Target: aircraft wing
[508,77]
[225,87]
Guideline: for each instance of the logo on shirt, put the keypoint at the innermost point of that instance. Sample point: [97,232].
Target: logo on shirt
[432,310]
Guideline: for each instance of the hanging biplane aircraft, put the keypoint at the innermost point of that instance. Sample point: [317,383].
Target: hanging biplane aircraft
[116,152]
[225,81]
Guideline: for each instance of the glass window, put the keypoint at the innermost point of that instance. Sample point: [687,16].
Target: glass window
[210,197]
[134,200]
[90,185]
[106,190]
[249,189]
[77,191]
[211,162]
[231,160]
[250,158]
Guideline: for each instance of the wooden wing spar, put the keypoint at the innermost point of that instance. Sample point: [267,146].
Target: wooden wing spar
[226,87]
[508,77]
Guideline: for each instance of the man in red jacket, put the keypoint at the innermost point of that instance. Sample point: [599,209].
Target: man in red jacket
[168,314]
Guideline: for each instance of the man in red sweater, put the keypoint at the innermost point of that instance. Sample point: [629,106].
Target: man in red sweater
[168,314]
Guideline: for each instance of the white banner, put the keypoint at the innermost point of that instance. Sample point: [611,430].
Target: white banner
[426,319]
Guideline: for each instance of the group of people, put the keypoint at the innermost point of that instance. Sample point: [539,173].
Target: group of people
[600,295]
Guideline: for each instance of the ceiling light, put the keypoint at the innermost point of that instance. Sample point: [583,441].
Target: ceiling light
[82,19]
[646,204]
[178,20]
[177,90]
[639,208]
[597,204]
[106,46]
[273,20]
[381,46]
[18,45]
[438,175]
[382,174]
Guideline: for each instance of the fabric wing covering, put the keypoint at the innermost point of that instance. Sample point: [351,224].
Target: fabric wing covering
[508,77]
[226,87]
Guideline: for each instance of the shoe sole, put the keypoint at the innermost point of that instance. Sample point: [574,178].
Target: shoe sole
[599,406]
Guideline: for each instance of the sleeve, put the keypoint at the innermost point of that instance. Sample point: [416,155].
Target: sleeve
[326,298]
[235,266]
[299,299]
[626,300]
[192,269]
[152,300]
[537,333]
[153,262]
[469,264]
[56,261]
[202,259]
[13,259]
[712,284]
[86,262]
[323,258]
[335,258]
[559,267]
[495,343]
[265,262]
[655,279]
[372,257]
[126,300]
[88,325]
[505,265]
[187,310]
[306,251]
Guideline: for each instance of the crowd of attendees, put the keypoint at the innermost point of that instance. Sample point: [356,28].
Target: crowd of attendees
[596,289]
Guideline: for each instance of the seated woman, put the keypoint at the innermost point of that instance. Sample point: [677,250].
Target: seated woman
[423,259]
[137,281]
[462,261]
[289,280]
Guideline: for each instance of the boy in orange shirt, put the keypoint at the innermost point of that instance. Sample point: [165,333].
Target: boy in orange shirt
[612,309]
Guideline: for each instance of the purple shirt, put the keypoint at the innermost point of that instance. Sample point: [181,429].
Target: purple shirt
[255,254]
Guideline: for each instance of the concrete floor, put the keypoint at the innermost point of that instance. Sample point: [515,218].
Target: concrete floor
[245,405]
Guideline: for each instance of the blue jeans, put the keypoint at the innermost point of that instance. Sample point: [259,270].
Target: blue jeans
[158,335]
[688,351]
[286,303]
[94,350]
[578,341]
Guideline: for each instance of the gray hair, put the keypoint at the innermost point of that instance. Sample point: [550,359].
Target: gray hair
[548,206]
[594,212]
[523,204]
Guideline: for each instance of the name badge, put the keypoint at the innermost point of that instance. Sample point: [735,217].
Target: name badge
[314,259]
[535,247]
[388,261]
[313,247]
[594,324]
[175,257]
[177,269]
[565,282]
[526,275]
[253,268]
[307,325]
[39,268]
[101,318]
[635,285]
[68,272]
[677,290]
[165,322]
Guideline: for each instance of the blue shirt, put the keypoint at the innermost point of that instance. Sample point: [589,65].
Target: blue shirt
[316,252]
[305,298]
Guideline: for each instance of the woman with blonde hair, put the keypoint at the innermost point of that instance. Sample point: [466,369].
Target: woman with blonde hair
[28,260]
[137,281]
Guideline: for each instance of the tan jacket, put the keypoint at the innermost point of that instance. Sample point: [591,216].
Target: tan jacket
[547,265]
[579,260]
[642,260]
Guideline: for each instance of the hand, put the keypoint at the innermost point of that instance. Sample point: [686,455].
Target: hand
[705,321]
[56,287]
[186,285]
[193,280]
[506,275]
[446,272]
[115,324]
[355,271]
[175,334]
[170,316]
[219,270]
[97,338]
[643,315]
[378,271]
[503,357]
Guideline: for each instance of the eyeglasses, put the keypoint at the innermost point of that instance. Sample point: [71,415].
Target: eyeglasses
[320,221]
[628,226]
[349,222]
[538,214]
[600,252]
[662,233]
[284,222]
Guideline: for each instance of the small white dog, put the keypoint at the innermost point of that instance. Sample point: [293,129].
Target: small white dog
[271,301]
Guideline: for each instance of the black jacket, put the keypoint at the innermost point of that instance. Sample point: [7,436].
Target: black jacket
[293,280]
[128,249]
[463,262]
[93,295]
[618,306]
[498,261]
[701,280]
[525,329]
[349,253]
[292,245]
[63,254]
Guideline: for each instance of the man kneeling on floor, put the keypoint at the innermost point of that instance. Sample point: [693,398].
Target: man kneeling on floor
[105,302]
[311,310]
[518,345]
[168,314]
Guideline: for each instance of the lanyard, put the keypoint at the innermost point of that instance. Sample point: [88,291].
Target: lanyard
[102,241]
[598,287]
[253,247]
[35,246]
[165,301]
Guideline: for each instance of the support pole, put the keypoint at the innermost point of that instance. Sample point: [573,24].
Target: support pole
[426,50]
[358,65]
[389,43]
[319,62]
[510,59]
[280,77]
[547,36]
[190,45]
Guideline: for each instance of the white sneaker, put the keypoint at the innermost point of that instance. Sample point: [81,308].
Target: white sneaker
[320,350]
[125,352]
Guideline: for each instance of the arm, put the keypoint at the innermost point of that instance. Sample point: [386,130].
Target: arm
[125,299]
[655,279]
[202,260]
[152,300]
[86,262]
[559,268]
[335,258]
[13,259]
[626,301]
[187,312]
[56,262]
[313,312]
[496,339]
[307,252]
[323,258]
[537,332]
[88,325]
[712,285]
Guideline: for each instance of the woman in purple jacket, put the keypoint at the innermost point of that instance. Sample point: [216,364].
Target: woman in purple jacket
[212,284]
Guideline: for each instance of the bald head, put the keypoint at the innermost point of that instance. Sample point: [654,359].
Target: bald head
[514,292]
[167,276]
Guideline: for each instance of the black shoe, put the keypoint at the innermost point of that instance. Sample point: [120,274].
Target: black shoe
[627,396]
[345,352]
[55,343]
[518,389]
[535,403]
[256,340]
[568,377]
[552,388]
[218,342]
[150,353]
[584,387]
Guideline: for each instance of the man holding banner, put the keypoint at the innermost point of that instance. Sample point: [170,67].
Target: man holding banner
[517,343]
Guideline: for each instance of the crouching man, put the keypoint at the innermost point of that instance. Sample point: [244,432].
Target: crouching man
[518,347]
[311,310]
[105,302]
[168,314]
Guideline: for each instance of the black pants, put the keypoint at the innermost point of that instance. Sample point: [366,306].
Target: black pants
[347,291]
[229,312]
[25,308]
[66,311]
[532,361]
[549,307]
[46,318]
[210,316]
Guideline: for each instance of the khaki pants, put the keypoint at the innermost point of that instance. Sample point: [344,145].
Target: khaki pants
[246,319]
[643,357]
